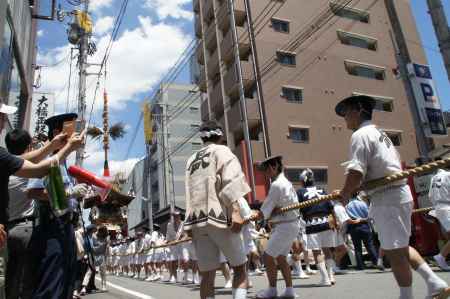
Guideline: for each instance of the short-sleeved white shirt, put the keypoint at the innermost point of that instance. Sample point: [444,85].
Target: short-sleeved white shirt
[281,194]
[374,155]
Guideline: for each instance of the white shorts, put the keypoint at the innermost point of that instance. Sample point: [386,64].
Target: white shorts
[282,237]
[192,253]
[443,215]
[210,240]
[339,238]
[142,259]
[249,247]
[172,253]
[325,239]
[393,224]
[183,252]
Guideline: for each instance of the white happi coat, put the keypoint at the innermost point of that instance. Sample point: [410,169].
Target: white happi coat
[214,180]
[439,193]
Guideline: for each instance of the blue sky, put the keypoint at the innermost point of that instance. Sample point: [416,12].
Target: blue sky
[153,35]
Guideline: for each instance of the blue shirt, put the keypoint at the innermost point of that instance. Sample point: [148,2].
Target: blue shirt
[39,184]
[357,209]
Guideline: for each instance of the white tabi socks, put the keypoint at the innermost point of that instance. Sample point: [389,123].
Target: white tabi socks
[406,293]
[239,293]
[434,283]
[331,264]
[323,272]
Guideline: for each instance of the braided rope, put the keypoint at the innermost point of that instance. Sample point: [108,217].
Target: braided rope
[419,170]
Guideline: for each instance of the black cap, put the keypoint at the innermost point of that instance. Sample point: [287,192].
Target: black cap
[367,103]
[262,166]
[57,121]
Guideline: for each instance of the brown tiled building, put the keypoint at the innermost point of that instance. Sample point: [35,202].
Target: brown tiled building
[311,55]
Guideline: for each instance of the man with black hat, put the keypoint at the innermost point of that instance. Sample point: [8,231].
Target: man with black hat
[53,242]
[373,156]
[285,227]
[214,184]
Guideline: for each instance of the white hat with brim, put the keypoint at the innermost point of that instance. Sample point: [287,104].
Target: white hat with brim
[6,109]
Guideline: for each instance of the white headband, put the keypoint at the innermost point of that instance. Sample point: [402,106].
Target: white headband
[208,134]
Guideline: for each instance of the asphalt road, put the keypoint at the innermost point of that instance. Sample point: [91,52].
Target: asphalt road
[369,284]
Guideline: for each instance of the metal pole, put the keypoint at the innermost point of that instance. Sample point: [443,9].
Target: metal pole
[403,59]
[442,30]
[257,74]
[82,62]
[242,98]
[149,197]
[173,183]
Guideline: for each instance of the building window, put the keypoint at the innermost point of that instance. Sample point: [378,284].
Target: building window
[280,25]
[385,104]
[292,94]
[297,134]
[286,58]
[193,110]
[320,175]
[366,71]
[396,137]
[196,146]
[356,40]
[349,12]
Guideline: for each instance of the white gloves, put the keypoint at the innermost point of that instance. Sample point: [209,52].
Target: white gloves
[79,191]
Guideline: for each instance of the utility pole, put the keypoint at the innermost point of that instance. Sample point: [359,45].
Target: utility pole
[82,64]
[403,59]
[237,61]
[257,74]
[440,24]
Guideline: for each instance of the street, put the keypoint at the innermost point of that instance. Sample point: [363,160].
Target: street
[369,284]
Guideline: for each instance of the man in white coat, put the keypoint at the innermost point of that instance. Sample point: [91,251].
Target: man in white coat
[214,185]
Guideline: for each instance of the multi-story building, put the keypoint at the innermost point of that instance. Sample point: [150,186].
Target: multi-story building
[17,57]
[311,55]
[176,120]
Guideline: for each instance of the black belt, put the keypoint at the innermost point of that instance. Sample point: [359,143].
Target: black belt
[21,220]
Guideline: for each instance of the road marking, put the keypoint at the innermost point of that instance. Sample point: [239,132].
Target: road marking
[125,290]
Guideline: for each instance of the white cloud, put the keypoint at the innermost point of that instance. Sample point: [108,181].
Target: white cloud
[103,25]
[139,58]
[96,5]
[170,8]
[40,33]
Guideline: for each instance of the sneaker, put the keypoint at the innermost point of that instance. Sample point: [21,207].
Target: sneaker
[156,277]
[172,279]
[258,272]
[325,283]
[299,274]
[310,271]
[228,284]
[267,294]
[380,266]
[440,260]
[288,294]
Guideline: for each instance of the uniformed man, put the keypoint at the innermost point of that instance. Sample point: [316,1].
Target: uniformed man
[214,184]
[285,227]
[373,156]
[53,241]
[439,195]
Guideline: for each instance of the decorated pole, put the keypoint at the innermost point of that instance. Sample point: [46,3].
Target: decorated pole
[105,133]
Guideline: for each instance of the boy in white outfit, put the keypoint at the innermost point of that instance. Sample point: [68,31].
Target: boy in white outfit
[373,156]
[285,227]
[439,195]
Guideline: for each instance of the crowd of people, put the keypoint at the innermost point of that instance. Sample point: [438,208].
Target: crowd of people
[49,253]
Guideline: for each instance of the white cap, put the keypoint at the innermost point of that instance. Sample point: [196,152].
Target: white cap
[7,109]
